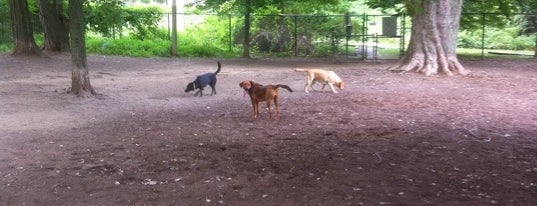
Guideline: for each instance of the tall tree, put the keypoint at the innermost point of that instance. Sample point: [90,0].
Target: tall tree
[23,34]
[55,26]
[433,38]
[530,20]
[80,79]
[246,40]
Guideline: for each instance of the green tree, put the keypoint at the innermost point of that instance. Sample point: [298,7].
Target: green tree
[23,34]
[55,26]
[530,21]
[105,17]
[433,38]
[80,79]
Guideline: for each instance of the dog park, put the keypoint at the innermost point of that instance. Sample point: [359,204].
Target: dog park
[386,139]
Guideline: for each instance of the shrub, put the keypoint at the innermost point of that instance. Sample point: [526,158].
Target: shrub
[505,38]
[129,47]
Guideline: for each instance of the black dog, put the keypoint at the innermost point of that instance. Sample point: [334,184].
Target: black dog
[202,81]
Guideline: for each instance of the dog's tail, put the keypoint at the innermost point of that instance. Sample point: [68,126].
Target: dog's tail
[283,86]
[301,70]
[219,66]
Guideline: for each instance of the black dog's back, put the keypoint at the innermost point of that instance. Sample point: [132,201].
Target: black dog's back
[203,80]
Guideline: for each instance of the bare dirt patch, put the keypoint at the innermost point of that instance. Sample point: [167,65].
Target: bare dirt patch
[388,139]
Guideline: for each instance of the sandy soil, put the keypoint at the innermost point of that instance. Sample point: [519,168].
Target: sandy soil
[387,139]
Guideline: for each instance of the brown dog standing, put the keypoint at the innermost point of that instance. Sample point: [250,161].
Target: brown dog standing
[266,93]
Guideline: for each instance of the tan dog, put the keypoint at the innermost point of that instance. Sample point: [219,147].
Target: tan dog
[325,77]
[267,93]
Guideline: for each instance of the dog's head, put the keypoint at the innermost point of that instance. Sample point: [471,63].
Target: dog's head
[246,85]
[340,85]
[190,87]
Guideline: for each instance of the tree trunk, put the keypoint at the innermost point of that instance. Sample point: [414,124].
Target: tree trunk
[433,41]
[535,54]
[23,34]
[246,41]
[55,26]
[80,79]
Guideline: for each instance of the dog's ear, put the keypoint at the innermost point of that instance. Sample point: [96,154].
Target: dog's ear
[240,84]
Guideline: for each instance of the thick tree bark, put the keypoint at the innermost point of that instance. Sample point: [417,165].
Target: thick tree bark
[80,79]
[535,54]
[246,41]
[23,34]
[55,26]
[433,41]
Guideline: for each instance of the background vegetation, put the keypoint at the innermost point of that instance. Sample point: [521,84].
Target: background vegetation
[114,28]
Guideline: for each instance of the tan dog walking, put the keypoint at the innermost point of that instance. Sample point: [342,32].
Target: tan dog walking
[324,77]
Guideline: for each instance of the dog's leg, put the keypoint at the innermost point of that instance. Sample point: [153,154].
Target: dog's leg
[255,107]
[311,85]
[213,90]
[200,92]
[277,108]
[257,110]
[322,88]
[332,87]
[269,110]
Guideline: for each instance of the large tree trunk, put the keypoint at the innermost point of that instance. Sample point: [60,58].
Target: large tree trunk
[535,54]
[80,79]
[55,26]
[433,41]
[246,40]
[23,34]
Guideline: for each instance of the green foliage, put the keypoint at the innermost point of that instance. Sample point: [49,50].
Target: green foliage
[529,25]
[208,39]
[143,22]
[110,18]
[129,47]
[472,9]
[5,48]
[105,17]
[506,38]
[5,23]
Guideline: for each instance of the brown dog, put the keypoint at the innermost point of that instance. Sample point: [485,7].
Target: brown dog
[267,93]
[329,78]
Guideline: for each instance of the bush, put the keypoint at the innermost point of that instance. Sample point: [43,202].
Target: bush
[5,48]
[129,47]
[505,38]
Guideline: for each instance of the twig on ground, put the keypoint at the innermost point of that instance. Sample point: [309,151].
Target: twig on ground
[377,154]
[474,136]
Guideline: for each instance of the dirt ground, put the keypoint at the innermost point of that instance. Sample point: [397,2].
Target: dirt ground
[387,139]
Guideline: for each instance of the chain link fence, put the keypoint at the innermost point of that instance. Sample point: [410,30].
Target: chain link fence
[354,36]
[361,37]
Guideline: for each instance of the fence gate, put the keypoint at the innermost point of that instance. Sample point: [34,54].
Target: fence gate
[379,37]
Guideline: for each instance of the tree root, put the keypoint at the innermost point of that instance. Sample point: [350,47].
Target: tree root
[431,66]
